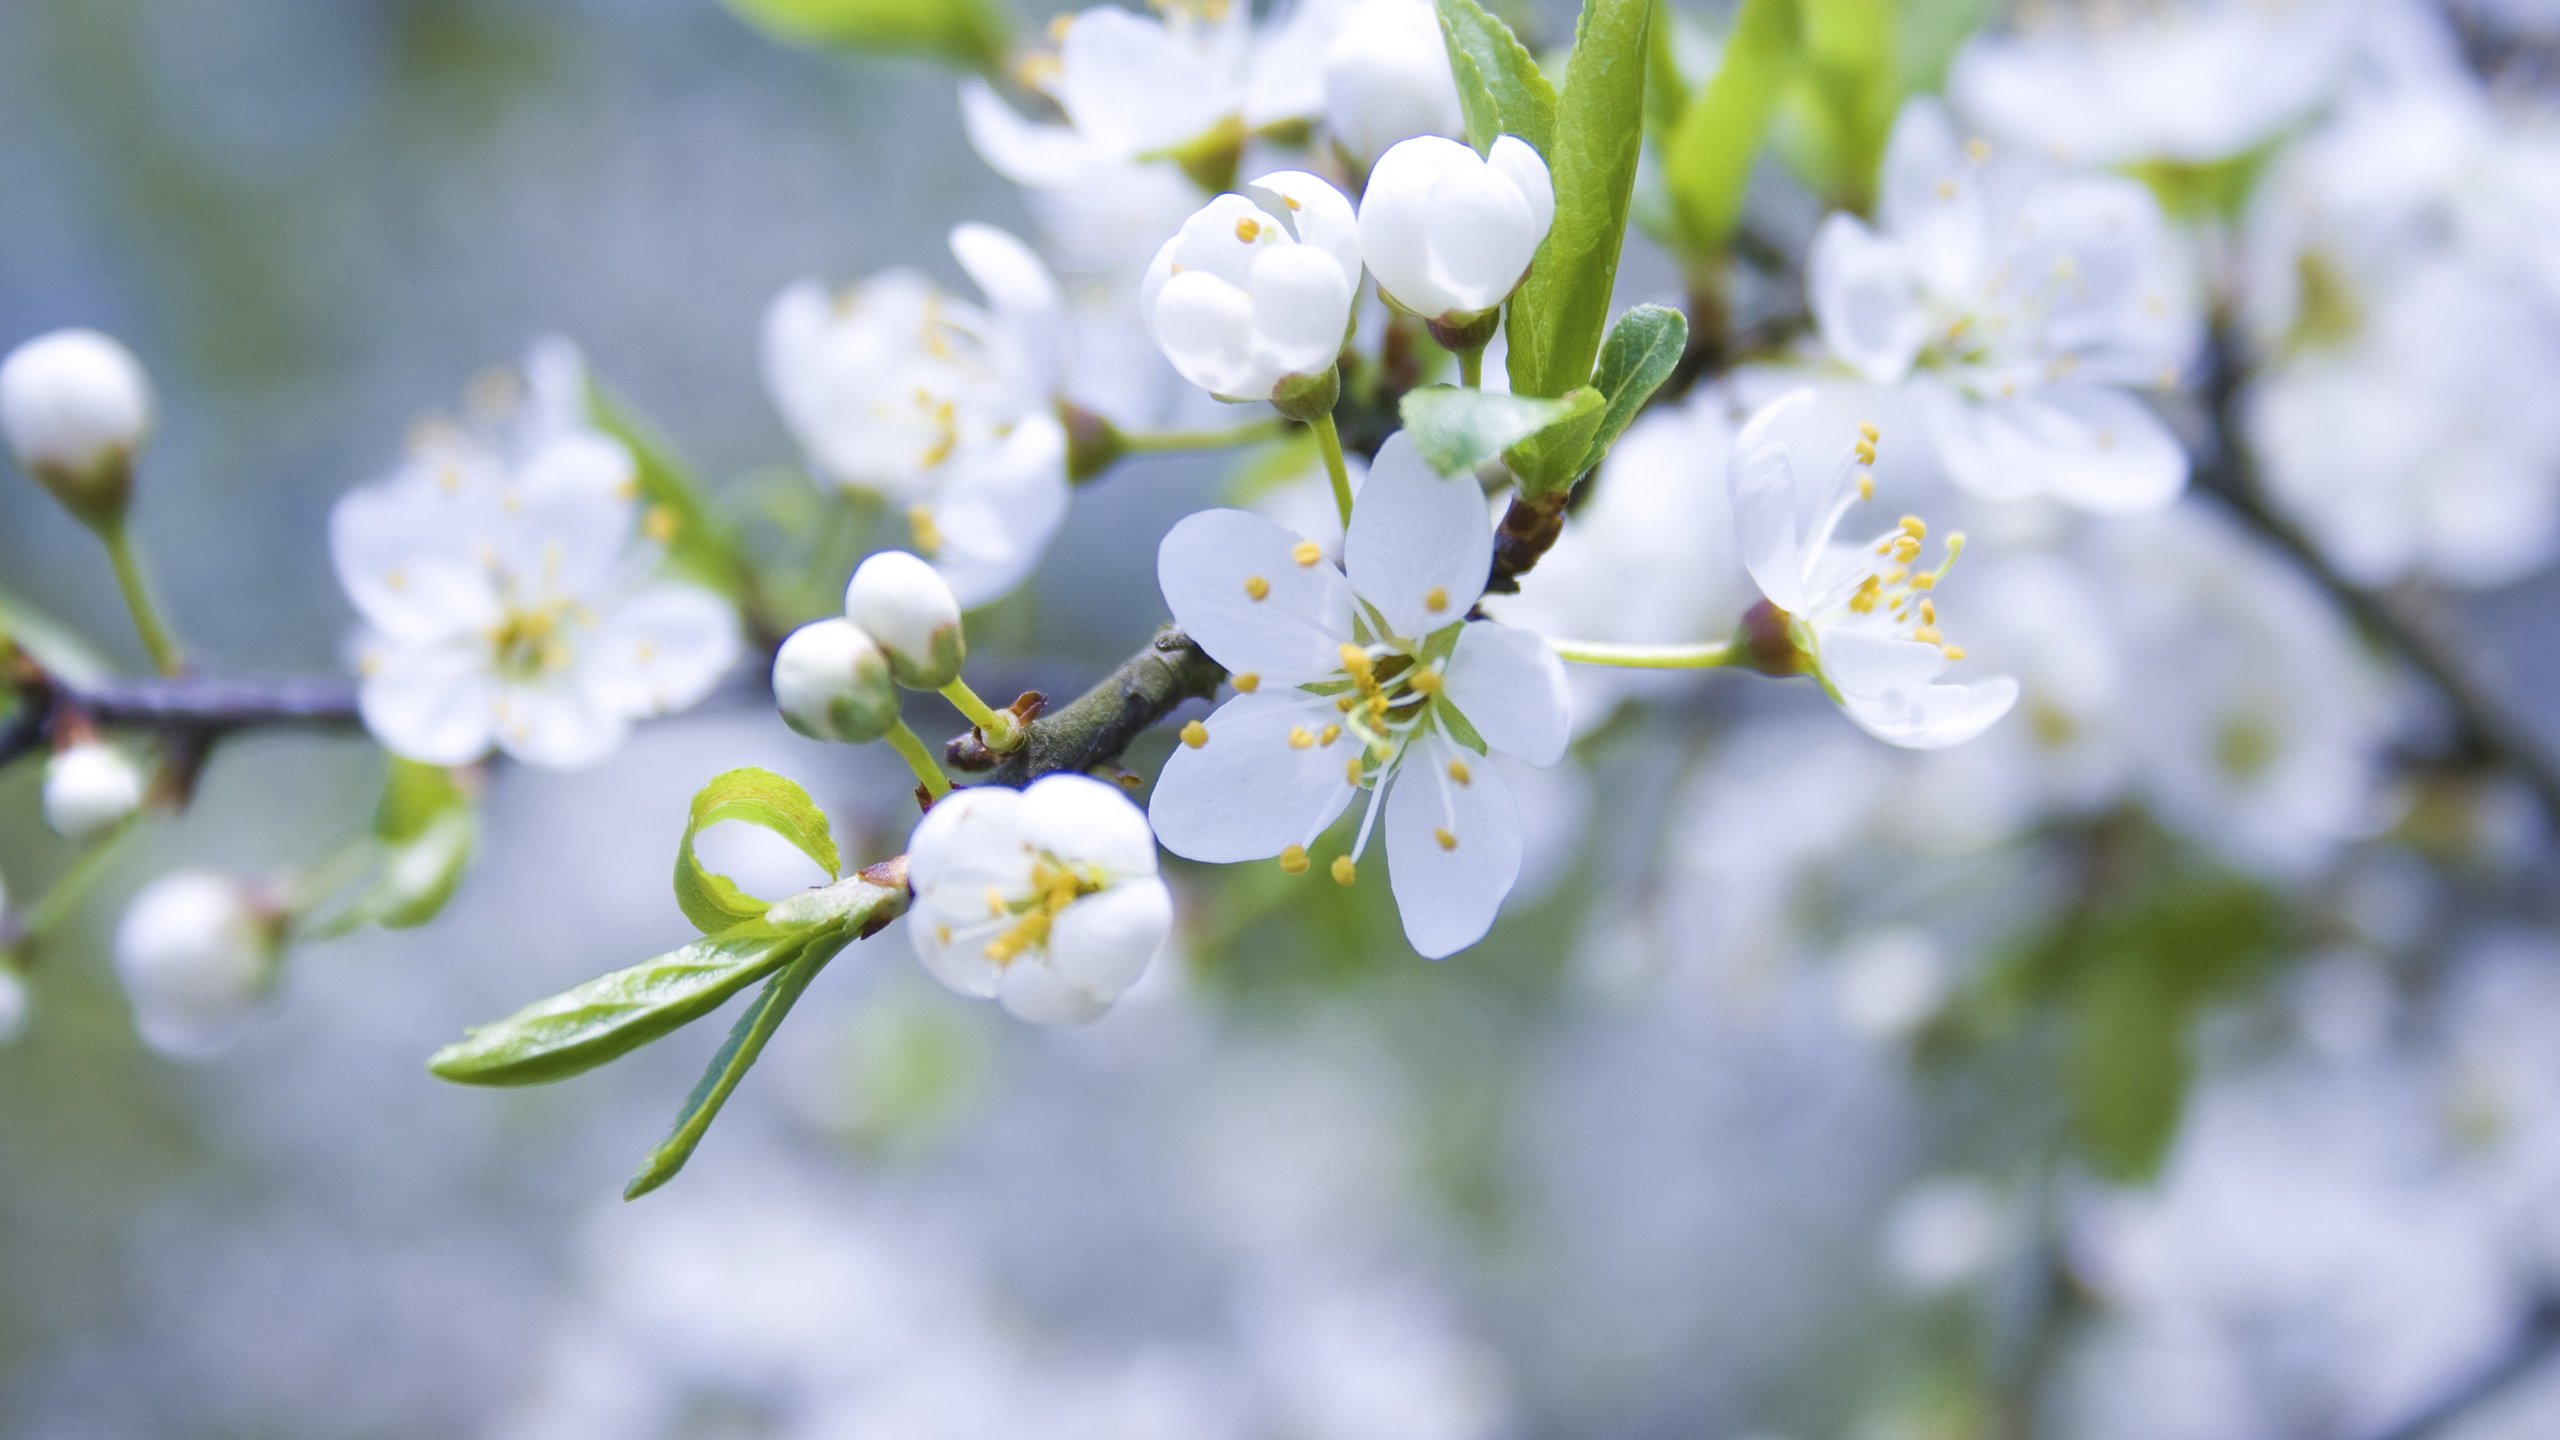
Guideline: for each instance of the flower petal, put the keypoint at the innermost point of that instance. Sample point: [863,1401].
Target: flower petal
[2097,448]
[1034,993]
[1023,295]
[1318,214]
[1085,821]
[997,510]
[1102,943]
[1416,539]
[1249,793]
[1212,564]
[1762,476]
[402,550]
[1866,299]
[971,839]
[1204,325]
[559,726]
[1301,309]
[1130,85]
[1511,688]
[1519,160]
[660,650]
[436,704]
[1449,894]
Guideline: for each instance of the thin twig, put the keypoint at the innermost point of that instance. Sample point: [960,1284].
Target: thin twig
[1098,727]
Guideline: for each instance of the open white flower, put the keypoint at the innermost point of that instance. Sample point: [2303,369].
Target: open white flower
[1387,78]
[1044,899]
[1859,617]
[504,575]
[2021,306]
[198,954]
[1365,677]
[1252,298]
[938,406]
[1449,233]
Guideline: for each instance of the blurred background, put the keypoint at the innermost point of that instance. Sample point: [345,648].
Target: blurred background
[1749,1122]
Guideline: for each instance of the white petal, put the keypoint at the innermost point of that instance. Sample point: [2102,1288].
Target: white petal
[955,952]
[659,651]
[1085,821]
[567,522]
[1204,325]
[558,726]
[1301,309]
[1511,688]
[1132,86]
[1022,293]
[1416,538]
[971,839]
[434,704]
[1395,218]
[1938,716]
[404,555]
[1863,660]
[1934,201]
[1034,993]
[1318,214]
[1866,300]
[1762,477]
[2097,448]
[1102,943]
[1449,896]
[998,509]
[1483,235]
[1249,794]
[1519,161]
[1020,150]
[1208,566]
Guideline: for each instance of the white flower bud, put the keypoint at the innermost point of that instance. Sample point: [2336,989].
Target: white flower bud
[908,610]
[13,1003]
[1450,233]
[1254,295]
[832,683]
[1386,78]
[89,788]
[198,955]
[75,406]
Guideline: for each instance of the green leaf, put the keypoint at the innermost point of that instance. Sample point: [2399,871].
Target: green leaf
[1560,311]
[1642,350]
[1709,156]
[613,1015]
[758,797]
[428,828]
[970,33]
[736,1056]
[699,545]
[1551,460]
[1847,102]
[1455,429]
[1501,90]
[2129,1067]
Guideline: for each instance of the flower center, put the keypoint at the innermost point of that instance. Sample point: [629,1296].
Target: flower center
[532,641]
[1054,886]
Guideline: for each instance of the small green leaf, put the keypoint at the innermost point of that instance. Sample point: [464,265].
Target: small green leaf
[730,1064]
[1708,158]
[613,1015]
[1551,460]
[1642,350]
[970,33]
[1501,90]
[1455,429]
[1560,311]
[428,828]
[758,797]
[699,545]
[2130,1066]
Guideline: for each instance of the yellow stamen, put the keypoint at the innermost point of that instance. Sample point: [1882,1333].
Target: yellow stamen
[1447,840]
[660,524]
[1426,682]
[1293,861]
[1195,734]
[1344,872]
[1248,230]
[1257,588]
[1436,600]
[1330,734]
[1301,738]
[928,535]
[1356,661]
[1306,552]
[1458,771]
[1247,683]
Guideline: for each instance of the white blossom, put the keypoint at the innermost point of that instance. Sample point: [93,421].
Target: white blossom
[2022,305]
[198,954]
[1044,899]
[89,789]
[908,610]
[1253,296]
[943,408]
[832,683]
[1387,78]
[1365,677]
[504,575]
[1862,617]
[75,406]
[1449,233]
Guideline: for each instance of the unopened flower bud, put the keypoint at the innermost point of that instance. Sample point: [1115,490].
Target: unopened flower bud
[89,789]
[75,406]
[198,954]
[832,683]
[908,610]
[1449,233]
[1387,78]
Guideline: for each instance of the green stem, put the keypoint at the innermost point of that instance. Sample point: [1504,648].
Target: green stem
[1646,657]
[1471,368]
[1329,440]
[86,871]
[137,598]
[1175,442]
[1709,156]
[920,760]
[999,728]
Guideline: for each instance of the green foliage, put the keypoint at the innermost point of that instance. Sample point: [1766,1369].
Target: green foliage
[969,33]
[1561,310]
[1707,160]
[1501,90]
[1455,429]
[427,827]
[612,1015]
[1642,350]
[730,1064]
[1844,107]
[757,797]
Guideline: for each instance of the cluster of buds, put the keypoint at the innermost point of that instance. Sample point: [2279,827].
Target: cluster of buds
[838,679]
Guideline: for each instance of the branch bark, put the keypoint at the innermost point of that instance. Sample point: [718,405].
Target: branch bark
[1098,726]
[185,706]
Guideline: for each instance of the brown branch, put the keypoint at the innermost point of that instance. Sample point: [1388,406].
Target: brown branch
[185,706]
[1098,726]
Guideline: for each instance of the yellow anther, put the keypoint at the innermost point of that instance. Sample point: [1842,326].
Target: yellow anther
[660,524]
[1946,189]
[1447,840]
[1866,486]
[1293,861]
[942,933]
[1868,432]
[1291,201]
[1346,703]
[1306,552]
[1356,661]
[1863,601]
[1247,682]
[1954,652]
[1344,872]
[1248,229]
[1925,580]
[1195,734]
[1928,612]
[1866,451]
[1458,771]
[1435,600]
[1426,682]
[1257,588]
[1174,268]
[1058,29]
[1927,635]
[1301,738]
[397,580]
[995,902]
[1351,771]
[1977,150]
[1915,527]
[1906,550]
[928,535]
[1896,575]
[1329,734]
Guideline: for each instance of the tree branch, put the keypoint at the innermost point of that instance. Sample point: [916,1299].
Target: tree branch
[186,706]
[2485,726]
[1097,727]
